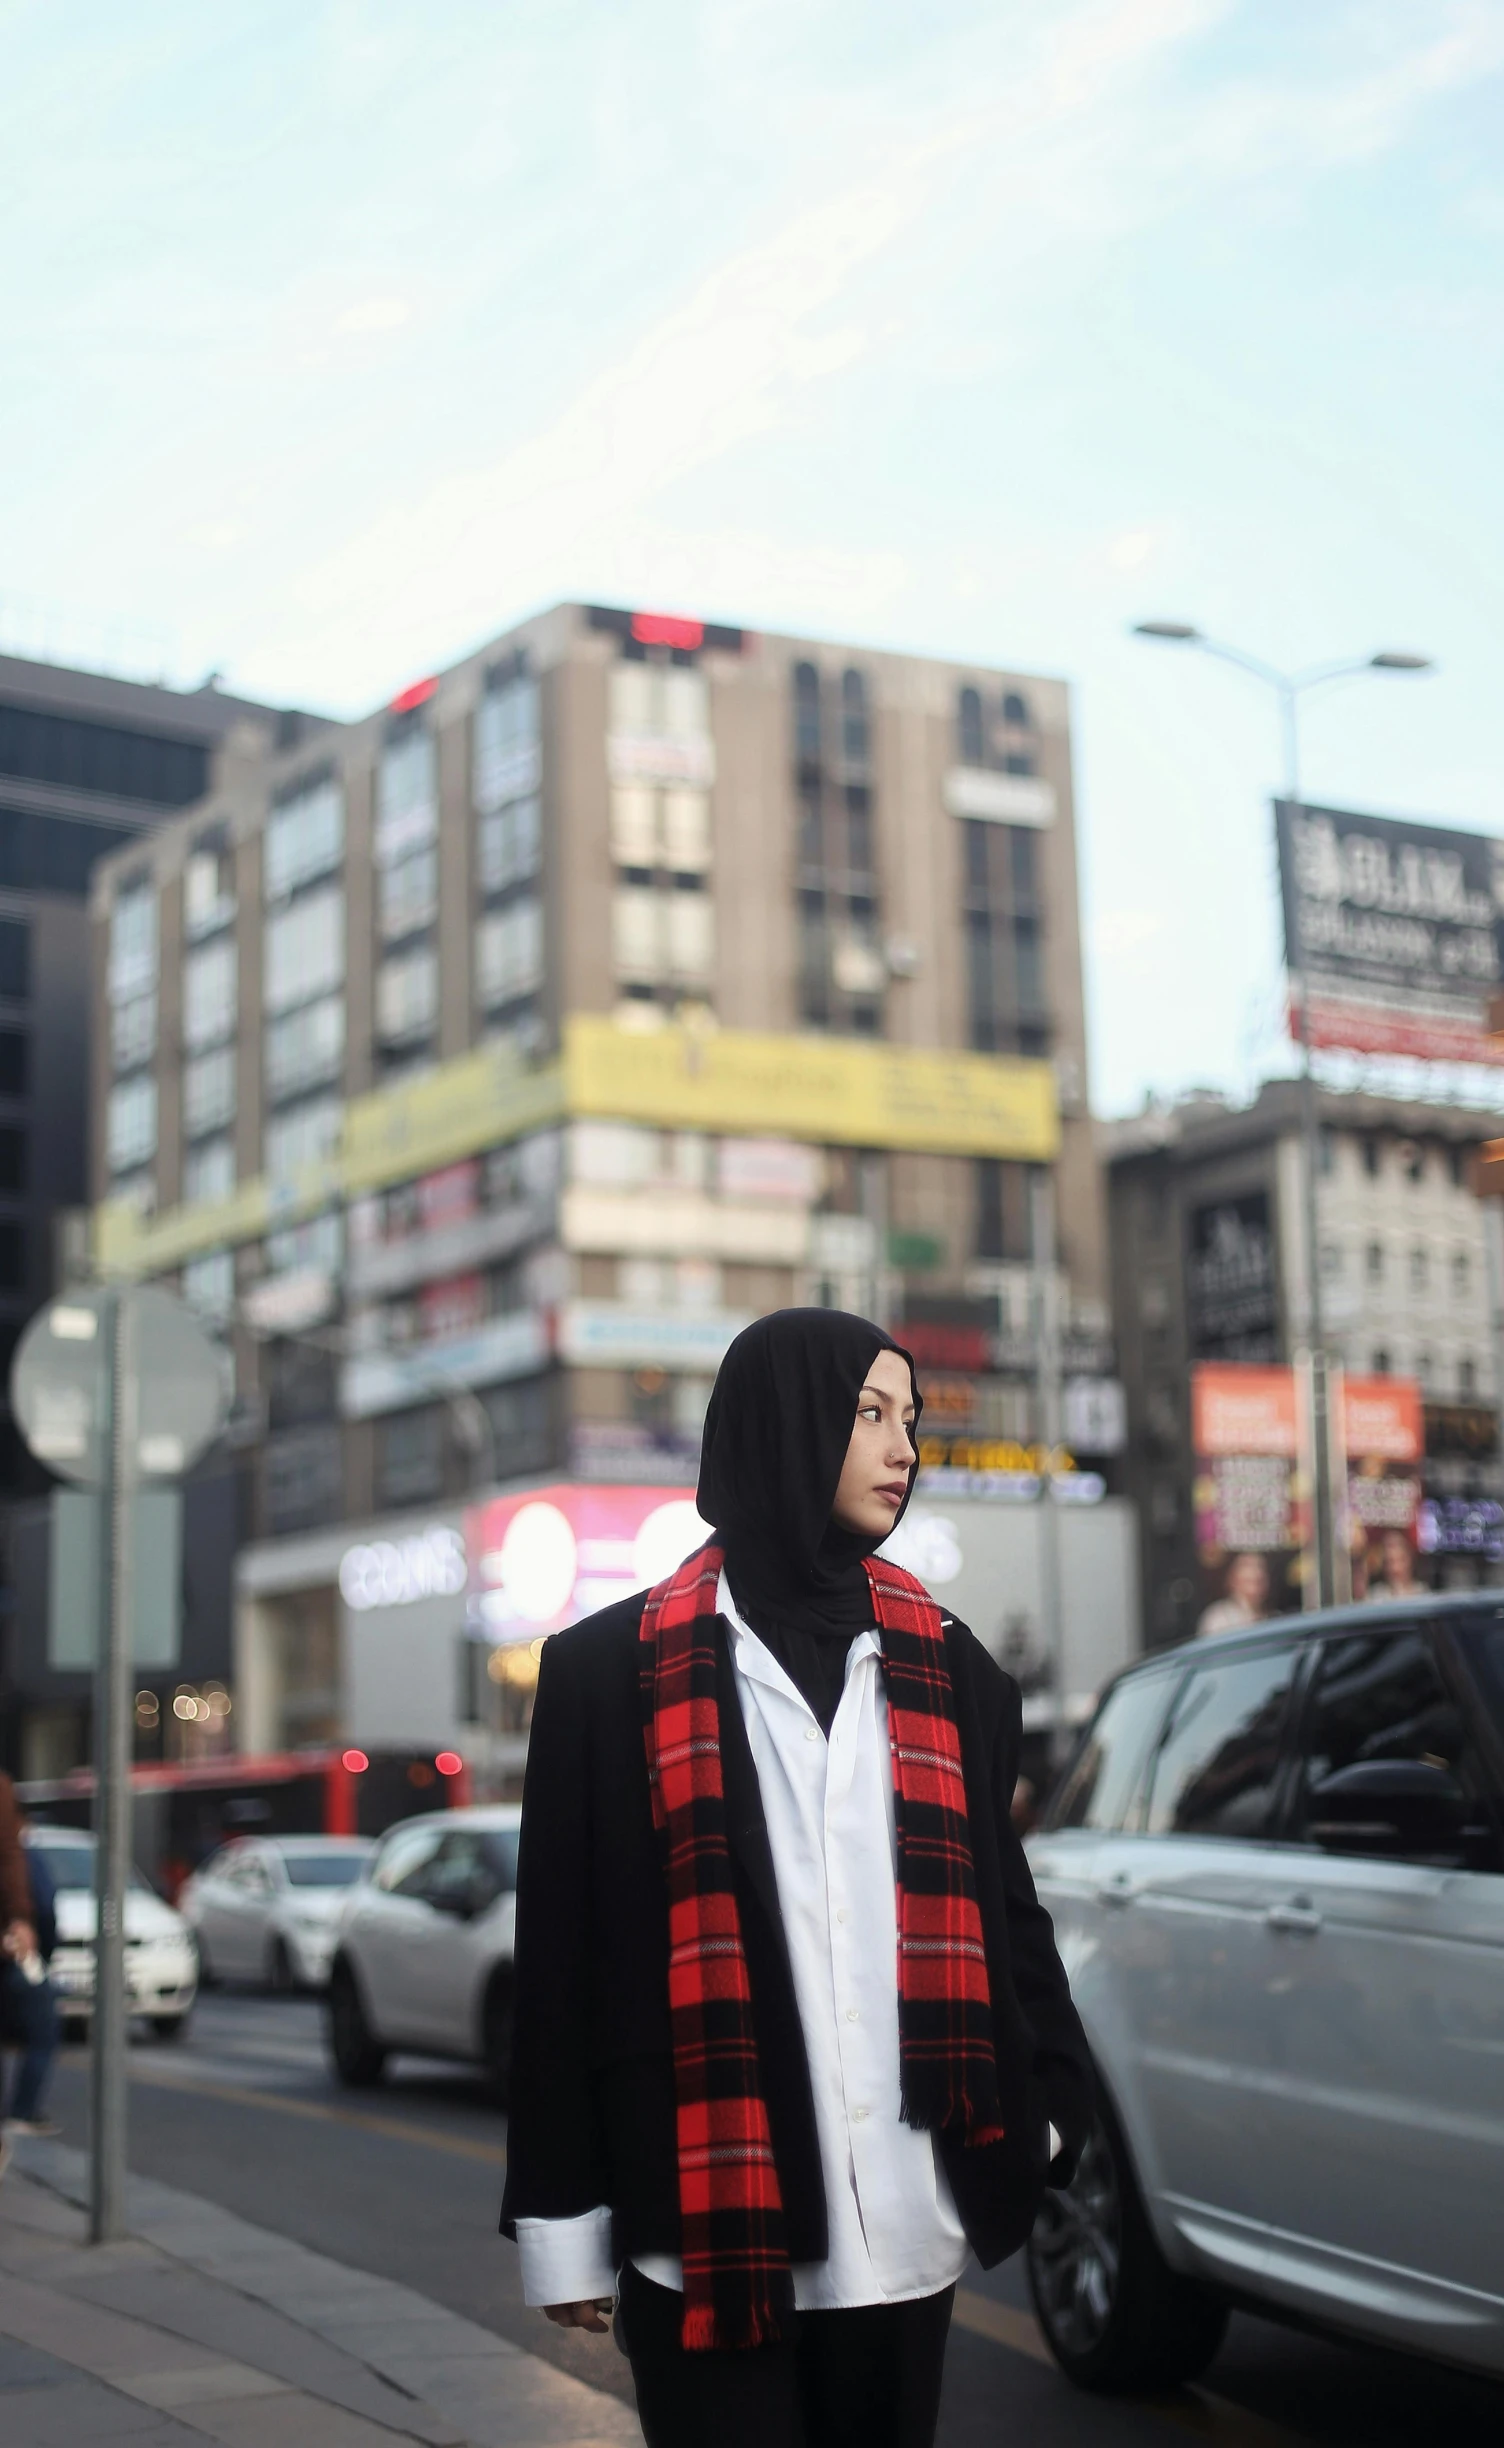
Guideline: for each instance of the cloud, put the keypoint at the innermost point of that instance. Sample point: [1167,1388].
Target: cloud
[380,314]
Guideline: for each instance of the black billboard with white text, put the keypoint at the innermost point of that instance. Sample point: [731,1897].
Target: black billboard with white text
[1395,931]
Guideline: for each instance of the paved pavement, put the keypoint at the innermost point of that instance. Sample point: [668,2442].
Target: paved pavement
[204,2327]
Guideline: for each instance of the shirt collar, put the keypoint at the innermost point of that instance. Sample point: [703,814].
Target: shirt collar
[753,1658]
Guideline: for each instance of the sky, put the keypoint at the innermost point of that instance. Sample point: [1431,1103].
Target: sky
[339,335]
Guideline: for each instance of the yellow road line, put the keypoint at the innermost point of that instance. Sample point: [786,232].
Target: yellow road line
[395,2129]
[1196,2410]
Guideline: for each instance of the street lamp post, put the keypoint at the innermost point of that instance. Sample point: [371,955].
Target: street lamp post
[1289,688]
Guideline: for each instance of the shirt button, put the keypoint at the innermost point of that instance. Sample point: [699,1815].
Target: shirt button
[811,1733]
[840,1912]
[852,2015]
[857,2115]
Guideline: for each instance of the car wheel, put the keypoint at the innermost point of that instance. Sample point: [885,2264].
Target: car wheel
[280,1976]
[170,2027]
[1114,2313]
[359,2057]
[496,2038]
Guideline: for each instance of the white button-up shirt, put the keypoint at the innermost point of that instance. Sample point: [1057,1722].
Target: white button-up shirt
[894,2231]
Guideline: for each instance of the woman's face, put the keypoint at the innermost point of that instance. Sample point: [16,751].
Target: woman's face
[880,1458]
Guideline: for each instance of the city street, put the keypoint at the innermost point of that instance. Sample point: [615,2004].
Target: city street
[404,2182]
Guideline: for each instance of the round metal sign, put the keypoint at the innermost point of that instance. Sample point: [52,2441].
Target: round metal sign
[182,1385]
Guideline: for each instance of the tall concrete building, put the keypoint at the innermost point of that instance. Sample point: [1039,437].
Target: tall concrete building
[481,1067]
[87,763]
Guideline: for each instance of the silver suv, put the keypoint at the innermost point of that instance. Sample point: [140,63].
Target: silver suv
[423,1958]
[1276,1869]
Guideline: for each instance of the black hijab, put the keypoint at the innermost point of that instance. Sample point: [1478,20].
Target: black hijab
[776,1433]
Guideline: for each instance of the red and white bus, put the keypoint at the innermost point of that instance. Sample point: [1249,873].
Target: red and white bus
[183,1814]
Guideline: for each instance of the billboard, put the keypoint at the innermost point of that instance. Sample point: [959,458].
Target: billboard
[1381,1422]
[1230,1280]
[1393,932]
[1250,1502]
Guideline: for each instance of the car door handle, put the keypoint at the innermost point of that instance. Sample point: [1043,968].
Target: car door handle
[1119,1889]
[1297,1916]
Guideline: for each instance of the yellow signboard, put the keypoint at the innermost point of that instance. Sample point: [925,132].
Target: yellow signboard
[842,1091]
[836,1091]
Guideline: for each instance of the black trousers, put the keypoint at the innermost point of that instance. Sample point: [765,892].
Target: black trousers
[868,2378]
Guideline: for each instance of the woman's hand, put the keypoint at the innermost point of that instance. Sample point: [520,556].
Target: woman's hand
[594,2315]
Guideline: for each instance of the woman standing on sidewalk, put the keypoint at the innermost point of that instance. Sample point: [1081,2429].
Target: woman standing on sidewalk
[792,2036]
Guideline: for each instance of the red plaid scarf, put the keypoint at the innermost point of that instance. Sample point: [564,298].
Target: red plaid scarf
[737,2286]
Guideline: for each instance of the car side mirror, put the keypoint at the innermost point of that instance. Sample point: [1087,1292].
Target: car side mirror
[1398,1807]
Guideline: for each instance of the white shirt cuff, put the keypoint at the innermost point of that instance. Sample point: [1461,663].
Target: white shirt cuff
[1055,2145]
[566,2260]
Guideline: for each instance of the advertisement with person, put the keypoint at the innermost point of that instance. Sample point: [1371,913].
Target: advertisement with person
[1250,1494]
[1384,1440]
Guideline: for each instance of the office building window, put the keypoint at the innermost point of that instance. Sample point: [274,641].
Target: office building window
[131,1124]
[410,1456]
[1004,931]
[855,741]
[209,1171]
[1380,1361]
[306,1047]
[407,793]
[133,941]
[509,953]
[408,894]
[15,1064]
[91,756]
[509,844]
[1420,1268]
[842,972]
[305,836]
[407,997]
[209,994]
[12,1257]
[1375,1262]
[15,959]
[508,761]
[806,714]
[209,1286]
[208,1091]
[971,736]
[133,1031]
[661,702]
[1002,1209]
[1371,1160]
[691,936]
[1467,1379]
[208,889]
[1462,1274]
[305,949]
[12,1159]
[303,1135]
[1016,710]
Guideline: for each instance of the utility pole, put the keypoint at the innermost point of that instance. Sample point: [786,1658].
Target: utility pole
[1289,688]
[1047,1388]
[112,1792]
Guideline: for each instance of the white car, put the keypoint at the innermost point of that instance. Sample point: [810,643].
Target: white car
[424,1956]
[161,1962]
[266,1908]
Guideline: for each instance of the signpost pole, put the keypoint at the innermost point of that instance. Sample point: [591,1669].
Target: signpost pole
[112,1750]
[1047,1380]
[1322,1516]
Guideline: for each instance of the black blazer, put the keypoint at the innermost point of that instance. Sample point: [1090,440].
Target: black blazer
[592,2096]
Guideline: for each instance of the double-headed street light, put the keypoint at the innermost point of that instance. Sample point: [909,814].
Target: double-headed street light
[1289,688]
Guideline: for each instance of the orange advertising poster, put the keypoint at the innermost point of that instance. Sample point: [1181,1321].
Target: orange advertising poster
[1239,1408]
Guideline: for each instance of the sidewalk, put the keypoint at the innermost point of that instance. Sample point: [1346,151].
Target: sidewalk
[202,2327]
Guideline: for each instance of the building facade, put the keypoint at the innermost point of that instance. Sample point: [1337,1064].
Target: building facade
[87,764]
[1211,1263]
[479,1069]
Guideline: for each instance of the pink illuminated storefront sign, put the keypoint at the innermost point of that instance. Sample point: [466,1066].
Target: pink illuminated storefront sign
[546,1558]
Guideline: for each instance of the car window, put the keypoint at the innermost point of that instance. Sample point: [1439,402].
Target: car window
[1484,1643]
[72,1867]
[501,1852]
[255,1877]
[1386,1764]
[1103,1780]
[461,1872]
[1215,1769]
[404,1859]
[324,1869]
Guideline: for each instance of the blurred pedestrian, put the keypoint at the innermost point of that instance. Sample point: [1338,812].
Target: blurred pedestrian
[792,2037]
[29,2006]
[22,1973]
